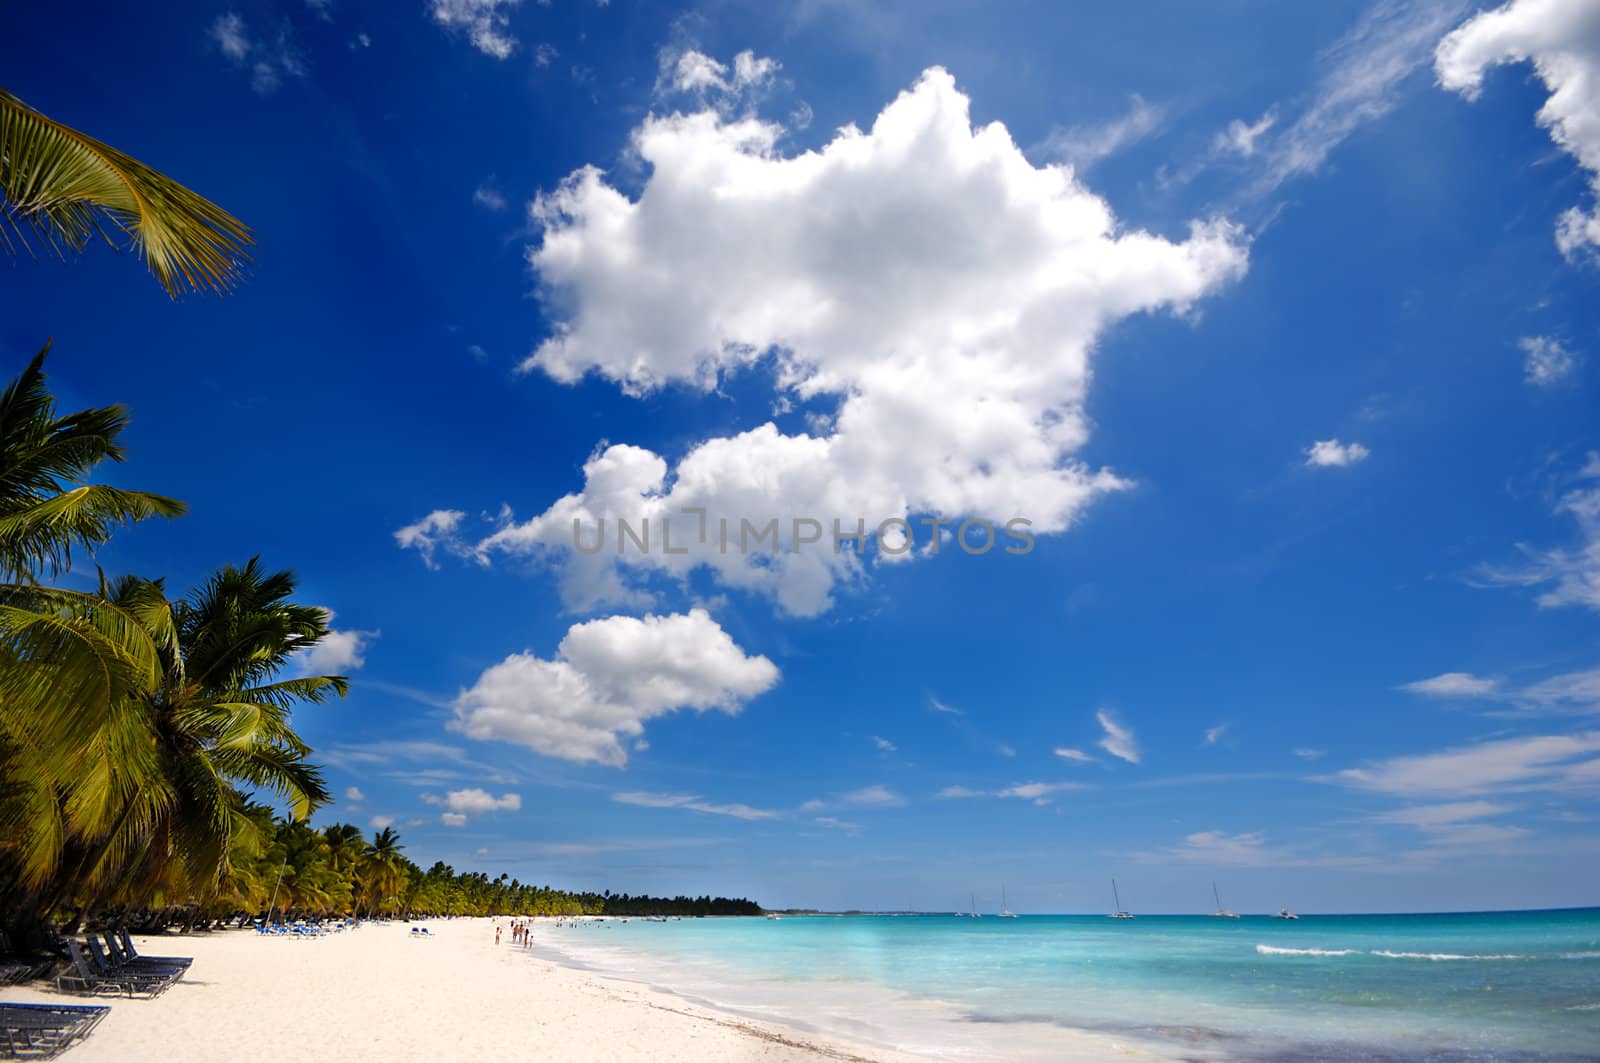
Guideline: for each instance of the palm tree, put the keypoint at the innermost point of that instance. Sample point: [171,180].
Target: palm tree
[221,723]
[67,188]
[70,662]
[46,508]
[384,868]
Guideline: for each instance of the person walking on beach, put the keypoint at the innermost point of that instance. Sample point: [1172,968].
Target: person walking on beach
[497,933]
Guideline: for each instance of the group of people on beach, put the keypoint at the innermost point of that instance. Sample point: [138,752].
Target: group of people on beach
[521,932]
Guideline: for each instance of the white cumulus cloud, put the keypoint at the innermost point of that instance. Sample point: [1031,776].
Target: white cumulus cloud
[929,298]
[1325,453]
[340,652]
[1561,38]
[607,678]
[475,800]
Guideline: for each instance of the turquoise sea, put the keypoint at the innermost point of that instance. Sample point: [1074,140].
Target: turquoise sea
[1492,986]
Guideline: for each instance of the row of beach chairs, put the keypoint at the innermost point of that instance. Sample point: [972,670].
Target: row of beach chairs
[303,930]
[40,1031]
[118,968]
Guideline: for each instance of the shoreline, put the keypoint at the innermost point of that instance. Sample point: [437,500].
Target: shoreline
[374,992]
[887,1023]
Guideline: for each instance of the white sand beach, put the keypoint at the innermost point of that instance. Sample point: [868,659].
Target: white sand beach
[375,993]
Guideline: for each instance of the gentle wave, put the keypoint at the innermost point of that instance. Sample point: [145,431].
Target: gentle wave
[1436,957]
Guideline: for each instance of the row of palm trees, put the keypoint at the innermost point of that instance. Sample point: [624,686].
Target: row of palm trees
[337,871]
[135,725]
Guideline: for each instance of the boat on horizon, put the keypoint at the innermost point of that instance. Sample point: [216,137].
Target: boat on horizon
[1284,913]
[975,914]
[1221,912]
[1119,913]
[1005,909]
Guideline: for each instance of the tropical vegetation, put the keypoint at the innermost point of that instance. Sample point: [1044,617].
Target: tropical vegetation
[65,188]
[146,739]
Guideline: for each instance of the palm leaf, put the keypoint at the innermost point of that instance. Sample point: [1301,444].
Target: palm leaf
[42,534]
[67,188]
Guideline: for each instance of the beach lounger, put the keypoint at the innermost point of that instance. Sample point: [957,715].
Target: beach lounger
[122,951]
[39,1031]
[105,965]
[84,979]
[91,974]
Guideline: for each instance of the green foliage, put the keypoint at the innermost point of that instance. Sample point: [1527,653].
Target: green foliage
[132,728]
[139,734]
[66,188]
[338,872]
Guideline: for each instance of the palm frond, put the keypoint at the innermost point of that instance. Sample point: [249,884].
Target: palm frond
[43,534]
[315,689]
[67,188]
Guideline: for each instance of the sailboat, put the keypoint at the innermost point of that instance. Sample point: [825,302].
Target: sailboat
[975,914]
[1284,913]
[1119,913]
[1221,912]
[1005,909]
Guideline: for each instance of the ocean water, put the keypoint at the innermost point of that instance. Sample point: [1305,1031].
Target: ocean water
[1494,986]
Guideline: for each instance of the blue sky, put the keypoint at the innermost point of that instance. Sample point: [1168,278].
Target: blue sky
[1276,322]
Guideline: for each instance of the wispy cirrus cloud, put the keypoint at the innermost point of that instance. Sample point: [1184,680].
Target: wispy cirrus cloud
[1040,793]
[268,60]
[1546,361]
[872,797]
[1569,575]
[694,803]
[439,530]
[485,23]
[1081,146]
[1119,739]
[1362,74]
[1218,848]
[1507,765]
[1453,685]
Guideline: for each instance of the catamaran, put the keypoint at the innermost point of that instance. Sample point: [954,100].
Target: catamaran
[1221,912]
[1119,913]
[1005,909]
[975,914]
